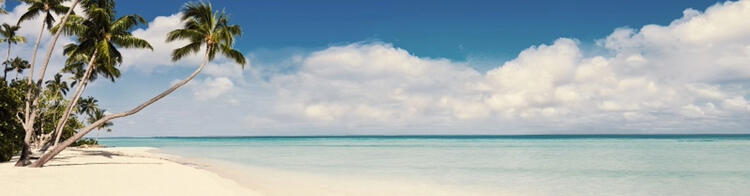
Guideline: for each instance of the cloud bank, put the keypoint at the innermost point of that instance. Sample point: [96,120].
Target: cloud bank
[689,75]
[692,75]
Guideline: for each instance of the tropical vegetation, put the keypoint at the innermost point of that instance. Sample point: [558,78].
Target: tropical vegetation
[41,117]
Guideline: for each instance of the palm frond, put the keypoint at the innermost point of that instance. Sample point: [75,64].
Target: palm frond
[126,23]
[49,20]
[189,34]
[129,41]
[32,12]
[179,53]
[73,27]
[204,26]
[58,8]
[234,55]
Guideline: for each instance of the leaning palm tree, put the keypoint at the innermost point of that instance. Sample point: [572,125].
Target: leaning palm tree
[98,36]
[96,115]
[8,33]
[30,110]
[203,28]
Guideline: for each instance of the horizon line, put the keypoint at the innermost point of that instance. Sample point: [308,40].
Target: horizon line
[442,135]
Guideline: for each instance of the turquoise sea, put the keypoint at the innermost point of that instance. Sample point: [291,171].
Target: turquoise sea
[485,165]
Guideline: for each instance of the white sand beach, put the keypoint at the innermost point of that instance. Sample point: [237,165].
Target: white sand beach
[145,171]
[115,171]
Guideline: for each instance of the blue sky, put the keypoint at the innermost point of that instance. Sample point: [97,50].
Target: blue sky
[447,67]
[489,30]
[497,30]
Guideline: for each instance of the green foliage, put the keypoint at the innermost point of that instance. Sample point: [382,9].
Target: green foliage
[86,141]
[11,131]
[46,7]
[16,64]
[203,26]
[103,33]
[52,109]
[98,114]
[8,33]
[87,106]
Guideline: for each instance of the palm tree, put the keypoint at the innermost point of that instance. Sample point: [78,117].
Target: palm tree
[46,7]
[97,115]
[57,86]
[203,28]
[55,90]
[17,64]
[88,106]
[32,94]
[98,36]
[76,65]
[14,64]
[9,36]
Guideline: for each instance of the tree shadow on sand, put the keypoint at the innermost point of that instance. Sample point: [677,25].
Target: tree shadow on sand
[100,163]
[102,153]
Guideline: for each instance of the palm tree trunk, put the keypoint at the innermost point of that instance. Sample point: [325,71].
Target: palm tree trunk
[7,59]
[36,48]
[49,155]
[32,94]
[41,132]
[79,90]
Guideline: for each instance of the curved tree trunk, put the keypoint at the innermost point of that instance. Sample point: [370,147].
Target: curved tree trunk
[32,94]
[59,148]
[79,90]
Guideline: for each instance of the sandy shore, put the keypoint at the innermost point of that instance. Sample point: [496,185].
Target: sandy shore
[144,171]
[115,171]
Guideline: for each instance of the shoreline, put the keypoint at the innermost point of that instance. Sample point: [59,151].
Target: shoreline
[117,171]
[152,171]
[281,182]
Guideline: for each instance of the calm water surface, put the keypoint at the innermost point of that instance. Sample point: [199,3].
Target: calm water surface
[546,165]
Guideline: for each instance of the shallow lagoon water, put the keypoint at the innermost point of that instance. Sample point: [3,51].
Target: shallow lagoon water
[538,165]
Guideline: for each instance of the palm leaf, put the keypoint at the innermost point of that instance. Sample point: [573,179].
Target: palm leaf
[190,48]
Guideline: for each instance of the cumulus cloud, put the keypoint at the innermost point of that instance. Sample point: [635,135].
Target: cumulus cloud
[211,88]
[689,75]
[156,35]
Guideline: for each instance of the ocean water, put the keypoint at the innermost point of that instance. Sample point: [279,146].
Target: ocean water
[480,165]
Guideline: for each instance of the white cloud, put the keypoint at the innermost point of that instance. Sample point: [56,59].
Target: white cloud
[211,88]
[30,29]
[156,34]
[224,69]
[689,75]
[661,76]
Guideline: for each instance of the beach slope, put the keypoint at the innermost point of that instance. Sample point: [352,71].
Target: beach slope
[115,171]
